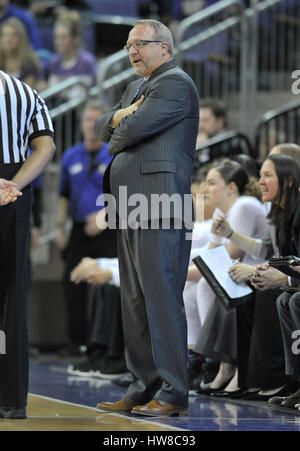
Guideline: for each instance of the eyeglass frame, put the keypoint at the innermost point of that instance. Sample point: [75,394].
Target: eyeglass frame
[127,47]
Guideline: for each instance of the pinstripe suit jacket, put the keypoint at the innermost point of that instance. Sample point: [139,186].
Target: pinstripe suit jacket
[154,147]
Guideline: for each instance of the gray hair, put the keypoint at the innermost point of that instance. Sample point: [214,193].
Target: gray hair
[160,32]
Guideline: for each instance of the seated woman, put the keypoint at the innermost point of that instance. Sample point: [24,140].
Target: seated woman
[17,58]
[229,189]
[70,59]
[260,344]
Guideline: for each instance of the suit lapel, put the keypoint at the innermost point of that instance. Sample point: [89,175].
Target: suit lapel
[159,71]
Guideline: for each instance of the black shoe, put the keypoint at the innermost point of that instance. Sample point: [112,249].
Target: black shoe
[212,391]
[238,394]
[113,367]
[94,361]
[195,361]
[227,394]
[277,400]
[194,383]
[125,380]
[285,391]
[13,414]
[210,370]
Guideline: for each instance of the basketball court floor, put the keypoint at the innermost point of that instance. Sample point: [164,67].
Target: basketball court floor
[61,402]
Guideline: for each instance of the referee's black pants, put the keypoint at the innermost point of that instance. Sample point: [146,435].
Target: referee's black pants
[14,234]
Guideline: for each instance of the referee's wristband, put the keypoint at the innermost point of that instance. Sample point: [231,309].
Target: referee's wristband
[230,235]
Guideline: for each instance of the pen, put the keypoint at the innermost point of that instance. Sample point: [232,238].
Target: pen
[235,261]
[220,223]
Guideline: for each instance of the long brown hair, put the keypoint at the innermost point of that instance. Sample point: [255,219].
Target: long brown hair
[232,171]
[288,174]
[24,52]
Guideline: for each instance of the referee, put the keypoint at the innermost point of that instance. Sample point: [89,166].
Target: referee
[24,120]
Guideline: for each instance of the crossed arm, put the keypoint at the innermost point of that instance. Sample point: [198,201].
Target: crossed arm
[158,111]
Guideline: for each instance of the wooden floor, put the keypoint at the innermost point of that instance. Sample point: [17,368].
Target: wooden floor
[46,414]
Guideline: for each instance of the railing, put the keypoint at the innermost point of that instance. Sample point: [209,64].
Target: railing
[224,145]
[278,126]
[65,102]
[208,48]
[269,47]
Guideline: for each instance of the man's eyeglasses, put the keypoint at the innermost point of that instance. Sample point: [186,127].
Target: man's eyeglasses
[138,45]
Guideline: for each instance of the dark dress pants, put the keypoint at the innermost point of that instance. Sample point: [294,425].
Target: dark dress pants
[153,267]
[81,245]
[260,339]
[14,234]
[288,305]
[105,319]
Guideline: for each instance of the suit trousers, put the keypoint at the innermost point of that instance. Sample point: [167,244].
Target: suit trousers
[14,235]
[288,306]
[153,267]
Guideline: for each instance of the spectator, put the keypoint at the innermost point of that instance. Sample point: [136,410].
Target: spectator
[212,120]
[212,123]
[83,167]
[7,10]
[105,354]
[70,59]
[17,58]
[293,150]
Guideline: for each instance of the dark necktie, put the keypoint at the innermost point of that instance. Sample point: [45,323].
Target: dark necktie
[140,87]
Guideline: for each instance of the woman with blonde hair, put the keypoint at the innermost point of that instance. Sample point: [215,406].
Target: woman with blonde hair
[17,58]
[69,58]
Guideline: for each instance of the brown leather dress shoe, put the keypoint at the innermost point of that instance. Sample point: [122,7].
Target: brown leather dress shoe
[159,408]
[118,406]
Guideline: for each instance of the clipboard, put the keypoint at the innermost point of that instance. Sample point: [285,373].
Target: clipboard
[212,275]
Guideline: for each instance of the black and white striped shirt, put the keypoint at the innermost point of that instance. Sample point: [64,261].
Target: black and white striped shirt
[23,117]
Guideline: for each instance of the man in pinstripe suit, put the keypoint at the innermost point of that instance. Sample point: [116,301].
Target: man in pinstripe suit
[152,134]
